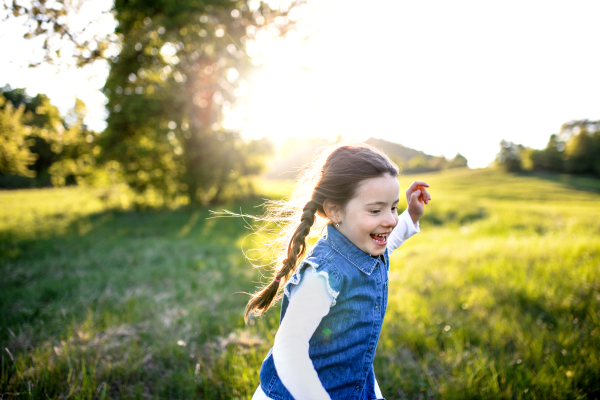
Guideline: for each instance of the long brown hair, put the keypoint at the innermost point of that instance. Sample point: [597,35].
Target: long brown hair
[334,174]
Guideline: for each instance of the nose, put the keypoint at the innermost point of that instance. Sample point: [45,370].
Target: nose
[391,219]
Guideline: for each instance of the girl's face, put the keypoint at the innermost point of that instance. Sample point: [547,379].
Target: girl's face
[369,218]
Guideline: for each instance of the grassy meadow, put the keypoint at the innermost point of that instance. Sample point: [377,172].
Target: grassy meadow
[497,297]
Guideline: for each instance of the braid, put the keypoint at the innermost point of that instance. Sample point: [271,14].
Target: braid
[262,300]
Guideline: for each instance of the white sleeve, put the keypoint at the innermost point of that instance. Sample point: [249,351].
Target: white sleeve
[403,230]
[377,390]
[309,303]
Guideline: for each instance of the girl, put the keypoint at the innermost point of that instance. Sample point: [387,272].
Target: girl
[334,303]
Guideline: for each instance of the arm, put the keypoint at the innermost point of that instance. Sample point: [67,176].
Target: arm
[309,303]
[405,229]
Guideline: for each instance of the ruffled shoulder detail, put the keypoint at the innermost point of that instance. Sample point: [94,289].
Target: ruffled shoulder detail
[313,267]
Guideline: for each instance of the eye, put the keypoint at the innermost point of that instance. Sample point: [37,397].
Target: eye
[375,211]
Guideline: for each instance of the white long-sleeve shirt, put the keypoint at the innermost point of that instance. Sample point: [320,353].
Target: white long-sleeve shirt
[309,302]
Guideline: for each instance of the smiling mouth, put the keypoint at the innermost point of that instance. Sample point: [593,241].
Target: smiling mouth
[380,239]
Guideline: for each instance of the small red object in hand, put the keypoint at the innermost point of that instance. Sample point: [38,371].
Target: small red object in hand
[422,195]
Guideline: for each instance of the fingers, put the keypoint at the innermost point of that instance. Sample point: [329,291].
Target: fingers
[425,196]
[413,186]
[418,188]
[416,196]
[421,183]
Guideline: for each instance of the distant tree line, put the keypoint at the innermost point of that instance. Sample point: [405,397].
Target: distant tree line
[39,147]
[575,150]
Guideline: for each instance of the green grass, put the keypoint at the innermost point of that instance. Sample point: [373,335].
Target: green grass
[497,297]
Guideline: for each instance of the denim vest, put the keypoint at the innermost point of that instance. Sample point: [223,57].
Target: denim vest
[343,346]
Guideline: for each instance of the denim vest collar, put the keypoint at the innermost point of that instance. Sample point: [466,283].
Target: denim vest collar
[355,256]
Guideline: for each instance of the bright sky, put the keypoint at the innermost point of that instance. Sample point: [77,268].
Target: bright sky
[65,85]
[438,76]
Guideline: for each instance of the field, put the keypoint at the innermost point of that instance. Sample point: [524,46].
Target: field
[497,297]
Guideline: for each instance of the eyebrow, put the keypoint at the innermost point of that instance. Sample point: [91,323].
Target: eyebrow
[378,203]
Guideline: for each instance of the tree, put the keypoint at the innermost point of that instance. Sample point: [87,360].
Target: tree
[63,152]
[551,158]
[459,161]
[76,152]
[44,125]
[510,156]
[180,67]
[582,147]
[575,150]
[15,156]
[437,163]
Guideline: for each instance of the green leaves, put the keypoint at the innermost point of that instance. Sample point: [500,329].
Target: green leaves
[15,156]
[36,141]
[575,150]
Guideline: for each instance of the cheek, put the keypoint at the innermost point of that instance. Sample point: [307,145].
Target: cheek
[360,228]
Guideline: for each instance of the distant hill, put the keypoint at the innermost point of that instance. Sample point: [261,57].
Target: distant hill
[397,150]
[293,153]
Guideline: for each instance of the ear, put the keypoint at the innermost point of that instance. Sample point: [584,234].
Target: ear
[332,210]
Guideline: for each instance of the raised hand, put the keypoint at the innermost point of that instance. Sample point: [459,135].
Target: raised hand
[416,198]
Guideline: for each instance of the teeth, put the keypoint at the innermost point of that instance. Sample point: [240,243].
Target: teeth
[380,237]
